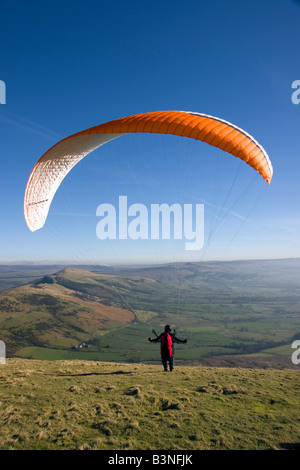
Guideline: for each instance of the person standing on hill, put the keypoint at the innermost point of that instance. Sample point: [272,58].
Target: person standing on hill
[167,340]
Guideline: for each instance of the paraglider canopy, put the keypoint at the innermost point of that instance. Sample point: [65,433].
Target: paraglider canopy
[57,162]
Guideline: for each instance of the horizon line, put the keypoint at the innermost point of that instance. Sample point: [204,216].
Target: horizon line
[141,263]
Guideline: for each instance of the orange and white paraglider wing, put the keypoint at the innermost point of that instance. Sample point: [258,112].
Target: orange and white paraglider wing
[55,164]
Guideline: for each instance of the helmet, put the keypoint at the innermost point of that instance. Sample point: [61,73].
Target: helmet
[167,328]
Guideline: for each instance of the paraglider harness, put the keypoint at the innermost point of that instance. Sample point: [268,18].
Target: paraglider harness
[167,340]
[166,344]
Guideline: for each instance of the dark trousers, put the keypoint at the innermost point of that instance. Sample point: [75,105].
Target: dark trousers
[167,359]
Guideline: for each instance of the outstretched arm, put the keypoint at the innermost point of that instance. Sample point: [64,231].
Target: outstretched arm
[155,340]
[177,340]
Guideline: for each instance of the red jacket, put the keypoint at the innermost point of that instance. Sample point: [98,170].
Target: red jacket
[166,345]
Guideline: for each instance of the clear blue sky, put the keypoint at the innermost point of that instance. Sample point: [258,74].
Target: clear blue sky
[69,65]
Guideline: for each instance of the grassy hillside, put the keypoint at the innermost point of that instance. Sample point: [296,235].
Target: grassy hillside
[98,405]
[59,313]
[114,315]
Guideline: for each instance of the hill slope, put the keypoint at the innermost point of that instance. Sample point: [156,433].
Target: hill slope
[94,405]
[59,311]
[231,315]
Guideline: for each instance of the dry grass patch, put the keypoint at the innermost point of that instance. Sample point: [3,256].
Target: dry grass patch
[133,426]
[135,391]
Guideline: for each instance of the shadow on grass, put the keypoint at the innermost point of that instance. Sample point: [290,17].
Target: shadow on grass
[119,372]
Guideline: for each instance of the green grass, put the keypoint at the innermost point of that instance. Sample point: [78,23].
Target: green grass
[99,405]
